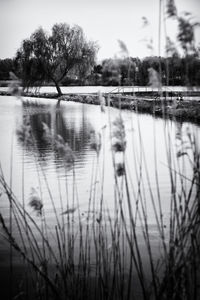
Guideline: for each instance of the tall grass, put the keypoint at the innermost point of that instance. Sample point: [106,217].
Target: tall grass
[110,255]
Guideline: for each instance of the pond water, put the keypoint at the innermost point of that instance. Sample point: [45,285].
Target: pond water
[75,122]
[38,168]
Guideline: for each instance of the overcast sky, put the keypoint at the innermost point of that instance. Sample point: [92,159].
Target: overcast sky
[104,21]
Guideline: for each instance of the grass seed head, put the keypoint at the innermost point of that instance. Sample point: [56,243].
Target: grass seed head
[24,133]
[35,202]
[118,135]
[95,141]
[120,169]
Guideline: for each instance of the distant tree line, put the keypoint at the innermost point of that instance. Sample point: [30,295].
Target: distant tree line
[175,70]
[127,71]
[6,66]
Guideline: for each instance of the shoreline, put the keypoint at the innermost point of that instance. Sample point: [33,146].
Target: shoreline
[187,109]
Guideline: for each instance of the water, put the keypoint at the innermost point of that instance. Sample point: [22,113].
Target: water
[148,142]
[75,122]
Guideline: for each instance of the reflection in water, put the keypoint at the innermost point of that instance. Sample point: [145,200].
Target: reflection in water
[77,137]
[73,129]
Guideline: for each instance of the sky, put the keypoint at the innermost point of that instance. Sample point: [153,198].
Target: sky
[104,21]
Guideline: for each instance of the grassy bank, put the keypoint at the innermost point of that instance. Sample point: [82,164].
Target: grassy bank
[186,110]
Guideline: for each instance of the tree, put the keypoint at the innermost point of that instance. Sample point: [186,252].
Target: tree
[45,57]
[110,72]
[6,66]
[85,68]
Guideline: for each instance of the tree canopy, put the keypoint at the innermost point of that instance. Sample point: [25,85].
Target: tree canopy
[134,71]
[6,66]
[49,57]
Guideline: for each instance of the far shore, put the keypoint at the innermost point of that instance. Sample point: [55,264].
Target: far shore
[184,106]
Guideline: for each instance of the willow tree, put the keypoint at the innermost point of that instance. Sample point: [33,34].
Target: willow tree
[49,57]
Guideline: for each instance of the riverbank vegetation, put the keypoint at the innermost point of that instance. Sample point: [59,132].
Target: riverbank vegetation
[165,107]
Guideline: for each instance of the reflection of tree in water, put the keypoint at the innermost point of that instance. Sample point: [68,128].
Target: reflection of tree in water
[77,137]
[74,129]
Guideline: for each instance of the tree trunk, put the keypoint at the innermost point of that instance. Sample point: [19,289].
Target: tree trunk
[59,92]
[58,89]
